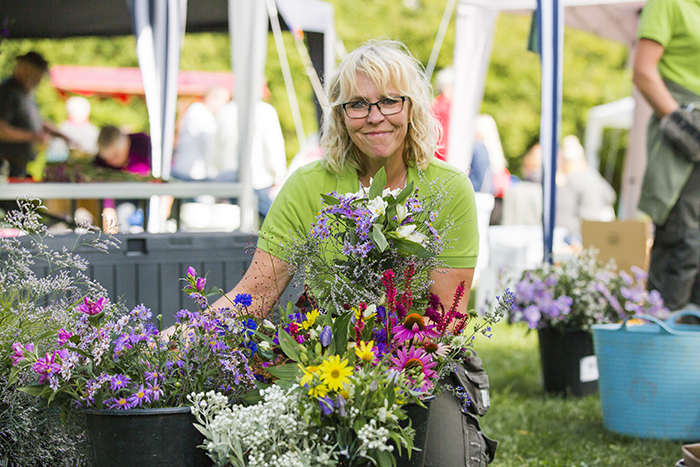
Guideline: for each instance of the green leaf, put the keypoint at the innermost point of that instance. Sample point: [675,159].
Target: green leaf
[289,345]
[385,459]
[329,199]
[405,193]
[379,238]
[33,389]
[288,371]
[378,184]
[412,248]
[341,329]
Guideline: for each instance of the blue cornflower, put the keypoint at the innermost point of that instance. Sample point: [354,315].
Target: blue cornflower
[243,299]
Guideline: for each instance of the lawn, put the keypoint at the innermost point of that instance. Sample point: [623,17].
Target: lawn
[534,429]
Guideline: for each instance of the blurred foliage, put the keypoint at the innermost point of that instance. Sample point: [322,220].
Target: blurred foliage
[611,156]
[595,69]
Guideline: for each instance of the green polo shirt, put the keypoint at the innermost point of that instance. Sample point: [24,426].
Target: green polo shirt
[675,24]
[299,201]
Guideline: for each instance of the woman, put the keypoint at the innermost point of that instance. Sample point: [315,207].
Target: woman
[379,118]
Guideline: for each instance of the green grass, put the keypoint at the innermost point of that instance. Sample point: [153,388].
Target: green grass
[534,429]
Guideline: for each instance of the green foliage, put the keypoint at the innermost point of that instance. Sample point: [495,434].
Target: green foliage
[536,430]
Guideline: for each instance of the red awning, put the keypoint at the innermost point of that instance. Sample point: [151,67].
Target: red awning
[106,81]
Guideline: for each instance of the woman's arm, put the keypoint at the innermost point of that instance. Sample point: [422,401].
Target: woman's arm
[648,80]
[445,283]
[265,280]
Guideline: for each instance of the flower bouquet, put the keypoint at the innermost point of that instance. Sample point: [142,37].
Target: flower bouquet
[563,301]
[108,360]
[575,294]
[356,236]
[342,384]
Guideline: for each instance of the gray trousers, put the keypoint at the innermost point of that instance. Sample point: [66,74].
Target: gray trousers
[674,267]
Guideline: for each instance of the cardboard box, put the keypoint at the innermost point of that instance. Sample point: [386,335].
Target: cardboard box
[627,241]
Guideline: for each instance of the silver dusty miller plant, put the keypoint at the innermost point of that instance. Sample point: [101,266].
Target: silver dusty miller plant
[39,289]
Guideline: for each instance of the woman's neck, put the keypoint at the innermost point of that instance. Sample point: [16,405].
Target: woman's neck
[396,175]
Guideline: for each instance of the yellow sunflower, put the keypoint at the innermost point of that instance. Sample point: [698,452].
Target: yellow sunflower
[309,373]
[320,390]
[310,319]
[335,372]
[364,351]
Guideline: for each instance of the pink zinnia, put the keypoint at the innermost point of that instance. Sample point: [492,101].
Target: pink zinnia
[415,359]
[92,308]
[413,326]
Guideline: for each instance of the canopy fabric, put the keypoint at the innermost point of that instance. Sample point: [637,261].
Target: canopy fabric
[612,19]
[125,81]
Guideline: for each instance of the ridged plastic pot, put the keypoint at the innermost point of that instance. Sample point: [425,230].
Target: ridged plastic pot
[145,437]
[561,354]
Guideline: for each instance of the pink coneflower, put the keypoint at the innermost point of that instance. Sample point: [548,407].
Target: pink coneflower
[413,326]
[415,362]
[437,348]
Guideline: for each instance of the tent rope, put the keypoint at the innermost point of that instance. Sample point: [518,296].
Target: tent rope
[286,72]
[442,30]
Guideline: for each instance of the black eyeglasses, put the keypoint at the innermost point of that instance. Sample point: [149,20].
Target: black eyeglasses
[387,106]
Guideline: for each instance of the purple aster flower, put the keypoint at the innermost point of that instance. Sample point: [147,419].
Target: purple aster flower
[119,403]
[153,392]
[141,312]
[153,376]
[119,382]
[138,397]
[326,336]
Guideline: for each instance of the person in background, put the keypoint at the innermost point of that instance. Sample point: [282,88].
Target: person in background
[78,127]
[197,134]
[129,153]
[268,161]
[582,192]
[21,125]
[667,74]
[441,108]
[522,202]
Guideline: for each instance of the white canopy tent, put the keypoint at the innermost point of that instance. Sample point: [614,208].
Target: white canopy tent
[475,26]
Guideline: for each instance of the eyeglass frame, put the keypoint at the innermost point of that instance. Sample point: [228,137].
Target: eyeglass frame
[370,104]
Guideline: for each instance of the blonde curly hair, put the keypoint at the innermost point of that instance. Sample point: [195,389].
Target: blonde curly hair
[388,64]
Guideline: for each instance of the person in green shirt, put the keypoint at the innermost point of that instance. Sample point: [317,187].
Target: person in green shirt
[667,73]
[379,117]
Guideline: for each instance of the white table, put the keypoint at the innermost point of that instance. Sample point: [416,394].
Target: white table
[123,190]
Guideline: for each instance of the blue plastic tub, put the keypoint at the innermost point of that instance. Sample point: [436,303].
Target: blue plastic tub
[649,381]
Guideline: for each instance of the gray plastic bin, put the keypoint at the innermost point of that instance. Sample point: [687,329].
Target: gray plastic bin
[146,268]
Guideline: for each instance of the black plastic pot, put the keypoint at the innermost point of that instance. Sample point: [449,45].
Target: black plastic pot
[145,437]
[561,354]
[419,418]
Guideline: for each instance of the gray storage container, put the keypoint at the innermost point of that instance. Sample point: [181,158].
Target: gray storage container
[146,268]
